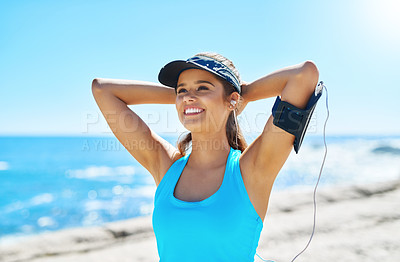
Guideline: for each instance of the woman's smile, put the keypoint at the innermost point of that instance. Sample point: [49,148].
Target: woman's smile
[191,111]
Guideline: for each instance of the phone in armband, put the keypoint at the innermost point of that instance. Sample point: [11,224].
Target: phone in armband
[293,119]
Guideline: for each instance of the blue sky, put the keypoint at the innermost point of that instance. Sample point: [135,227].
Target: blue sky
[50,51]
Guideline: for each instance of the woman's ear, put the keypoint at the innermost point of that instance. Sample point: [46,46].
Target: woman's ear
[235,97]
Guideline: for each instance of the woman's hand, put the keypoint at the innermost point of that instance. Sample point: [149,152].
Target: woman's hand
[244,101]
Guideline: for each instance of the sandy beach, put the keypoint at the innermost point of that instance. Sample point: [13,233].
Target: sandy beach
[354,223]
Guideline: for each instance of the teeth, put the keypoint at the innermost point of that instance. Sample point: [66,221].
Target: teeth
[192,110]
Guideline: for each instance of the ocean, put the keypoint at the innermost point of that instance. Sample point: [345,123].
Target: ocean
[52,183]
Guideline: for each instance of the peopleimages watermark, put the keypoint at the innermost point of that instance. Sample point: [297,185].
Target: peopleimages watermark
[125,123]
[109,144]
[168,122]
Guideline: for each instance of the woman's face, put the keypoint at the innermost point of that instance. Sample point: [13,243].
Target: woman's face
[202,93]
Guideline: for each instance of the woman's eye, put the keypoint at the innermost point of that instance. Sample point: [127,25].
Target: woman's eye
[200,87]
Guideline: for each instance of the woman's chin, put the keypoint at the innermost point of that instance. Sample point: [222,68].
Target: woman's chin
[193,129]
[193,126]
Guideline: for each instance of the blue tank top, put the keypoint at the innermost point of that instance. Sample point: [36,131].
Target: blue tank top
[223,227]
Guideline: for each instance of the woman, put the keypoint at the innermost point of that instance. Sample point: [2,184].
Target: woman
[210,204]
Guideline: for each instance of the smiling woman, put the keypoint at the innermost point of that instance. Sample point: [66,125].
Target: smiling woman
[211,202]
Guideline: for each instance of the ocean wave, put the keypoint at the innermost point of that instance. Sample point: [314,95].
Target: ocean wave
[4,165]
[124,192]
[37,200]
[386,149]
[41,199]
[46,221]
[103,173]
[348,162]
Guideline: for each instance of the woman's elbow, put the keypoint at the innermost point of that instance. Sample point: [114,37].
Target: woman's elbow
[308,75]
[309,72]
[96,85]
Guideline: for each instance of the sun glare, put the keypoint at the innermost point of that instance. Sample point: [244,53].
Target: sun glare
[382,19]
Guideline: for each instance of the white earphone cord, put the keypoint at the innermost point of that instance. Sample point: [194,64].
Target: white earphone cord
[237,130]
[316,185]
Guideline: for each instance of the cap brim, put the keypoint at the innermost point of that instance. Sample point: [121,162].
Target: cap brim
[169,74]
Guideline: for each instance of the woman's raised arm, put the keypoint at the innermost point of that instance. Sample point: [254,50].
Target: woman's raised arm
[295,84]
[275,83]
[134,92]
[113,97]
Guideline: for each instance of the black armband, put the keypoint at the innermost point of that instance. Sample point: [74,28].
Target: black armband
[295,120]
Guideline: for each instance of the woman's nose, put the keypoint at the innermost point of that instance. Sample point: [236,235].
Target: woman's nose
[189,97]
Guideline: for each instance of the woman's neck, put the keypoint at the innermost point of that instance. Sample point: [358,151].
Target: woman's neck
[209,150]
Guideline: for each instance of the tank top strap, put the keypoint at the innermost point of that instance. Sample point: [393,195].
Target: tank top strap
[234,164]
[233,179]
[237,176]
[170,178]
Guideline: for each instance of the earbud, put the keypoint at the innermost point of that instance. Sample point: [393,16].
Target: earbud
[233,102]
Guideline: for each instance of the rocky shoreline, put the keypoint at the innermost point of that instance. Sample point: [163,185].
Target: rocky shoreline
[354,223]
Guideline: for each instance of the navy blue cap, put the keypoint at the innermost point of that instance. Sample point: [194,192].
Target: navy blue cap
[169,74]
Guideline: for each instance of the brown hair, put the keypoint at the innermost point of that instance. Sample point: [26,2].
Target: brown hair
[231,131]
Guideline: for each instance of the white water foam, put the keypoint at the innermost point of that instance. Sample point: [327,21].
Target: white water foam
[4,165]
[121,174]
